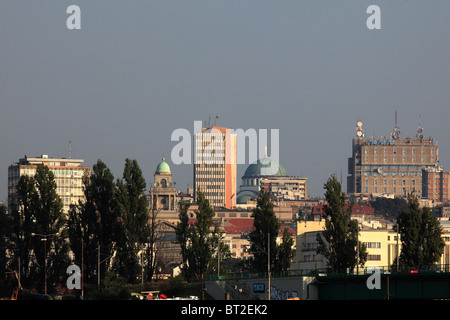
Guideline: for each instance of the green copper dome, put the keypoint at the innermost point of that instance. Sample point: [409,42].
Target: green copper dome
[265,167]
[162,166]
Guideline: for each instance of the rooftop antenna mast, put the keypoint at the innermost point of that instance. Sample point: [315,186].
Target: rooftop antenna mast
[208,123]
[420,129]
[70,149]
[396,133]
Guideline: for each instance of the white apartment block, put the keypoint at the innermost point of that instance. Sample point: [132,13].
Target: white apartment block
[68,176]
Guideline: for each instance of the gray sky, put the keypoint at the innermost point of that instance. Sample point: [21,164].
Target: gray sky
[139,69]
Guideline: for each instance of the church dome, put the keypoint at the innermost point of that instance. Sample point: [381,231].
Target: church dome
[265,167]
[242,199]
[163,167]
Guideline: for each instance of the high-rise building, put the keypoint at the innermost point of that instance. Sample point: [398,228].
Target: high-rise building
[435,184]
[68,177]
[390,165]
[215,166]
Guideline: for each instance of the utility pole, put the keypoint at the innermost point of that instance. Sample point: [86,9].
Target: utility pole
[98,267]
[82,268]
[44,238]
[397,248]
[268,259]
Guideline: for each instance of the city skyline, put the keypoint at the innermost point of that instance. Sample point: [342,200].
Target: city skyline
[136,72]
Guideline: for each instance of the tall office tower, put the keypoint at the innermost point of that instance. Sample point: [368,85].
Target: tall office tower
[68,176]
[215,166]
[390,165]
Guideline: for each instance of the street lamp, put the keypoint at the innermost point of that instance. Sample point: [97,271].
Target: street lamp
[44,238]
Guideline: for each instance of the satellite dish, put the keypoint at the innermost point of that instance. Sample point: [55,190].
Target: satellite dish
[380,170]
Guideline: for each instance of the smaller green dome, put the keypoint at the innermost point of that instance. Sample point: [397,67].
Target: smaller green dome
[163,166]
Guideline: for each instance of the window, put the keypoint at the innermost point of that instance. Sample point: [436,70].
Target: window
[373,257]
[373,245]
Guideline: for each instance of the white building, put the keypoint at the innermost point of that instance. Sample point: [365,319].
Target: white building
[68,177]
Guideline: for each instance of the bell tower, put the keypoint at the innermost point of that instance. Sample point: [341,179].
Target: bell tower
[163,193]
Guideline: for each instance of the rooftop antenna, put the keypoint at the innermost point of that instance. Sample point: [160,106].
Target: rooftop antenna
[359,129]
[70,149]
[396,133]
[419,134]
[208,123]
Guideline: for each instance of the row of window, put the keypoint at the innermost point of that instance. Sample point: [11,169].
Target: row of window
[394,182]
[394,150]
[394,159]
[384,190]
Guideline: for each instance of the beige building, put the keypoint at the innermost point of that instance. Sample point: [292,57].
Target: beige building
[382,246]
[215,166]
[435,184]
[68,177]
[286,188]
[389,165]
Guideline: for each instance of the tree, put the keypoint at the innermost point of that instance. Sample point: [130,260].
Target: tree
[49,227]
[5,235]
[96,222]
[22,213]
[389,208]
[153,245]
[198,240]
[285,253]
[433,244]
[182,236]
[263,237]
[338,242]
[421,236]
[83,225]
[134,215]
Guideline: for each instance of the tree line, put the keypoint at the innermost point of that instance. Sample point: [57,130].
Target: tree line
[201,242]
[108,228]
[113,233]
[419,230]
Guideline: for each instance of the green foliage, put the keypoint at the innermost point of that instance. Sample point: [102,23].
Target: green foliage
[421,236]
[263,239]
[338,242]
[5,235]
[96,222]
[285,253]
[389,208]
[198,240]
[134,218]
[39,230]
